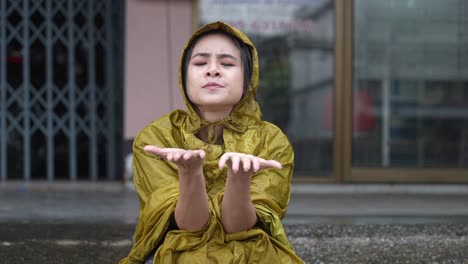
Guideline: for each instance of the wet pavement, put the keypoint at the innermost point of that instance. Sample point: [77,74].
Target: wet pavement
[94,222]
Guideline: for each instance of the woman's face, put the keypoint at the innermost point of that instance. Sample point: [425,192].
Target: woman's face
[215,74]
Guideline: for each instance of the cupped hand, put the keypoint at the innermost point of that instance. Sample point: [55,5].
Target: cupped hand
[184,159]
[245,163]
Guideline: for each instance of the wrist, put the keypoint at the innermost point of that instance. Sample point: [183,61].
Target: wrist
[190,173]
[239,177]
[239,184]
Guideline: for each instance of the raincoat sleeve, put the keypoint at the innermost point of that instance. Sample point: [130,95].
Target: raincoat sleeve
[270,188]
[156,183]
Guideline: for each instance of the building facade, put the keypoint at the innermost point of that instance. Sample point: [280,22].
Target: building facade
[367,91]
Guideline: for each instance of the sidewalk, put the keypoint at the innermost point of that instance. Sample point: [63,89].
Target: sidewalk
[94,222]
[378,204]
[309,204]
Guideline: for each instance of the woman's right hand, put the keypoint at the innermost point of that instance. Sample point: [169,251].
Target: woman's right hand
[192,210]
[188,161]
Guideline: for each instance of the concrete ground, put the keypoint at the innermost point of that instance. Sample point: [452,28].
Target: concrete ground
[93,223]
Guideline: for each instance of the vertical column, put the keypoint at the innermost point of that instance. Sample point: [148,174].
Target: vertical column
[339,99]
[93,172]
[111,140]
[169,51]
[3,88]
[26,95]
[71,91]
[385,123]
[119,7]
[49,87]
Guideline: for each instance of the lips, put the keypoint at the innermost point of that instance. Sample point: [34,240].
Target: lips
[212,85]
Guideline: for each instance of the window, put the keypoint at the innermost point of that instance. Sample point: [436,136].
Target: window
[410,84]
[295,41]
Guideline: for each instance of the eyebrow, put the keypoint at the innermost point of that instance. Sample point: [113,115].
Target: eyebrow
[206,54]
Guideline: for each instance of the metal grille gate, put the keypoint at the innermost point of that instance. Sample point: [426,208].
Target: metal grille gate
[60,89]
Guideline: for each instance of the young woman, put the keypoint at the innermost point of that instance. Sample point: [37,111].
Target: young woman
[213,181]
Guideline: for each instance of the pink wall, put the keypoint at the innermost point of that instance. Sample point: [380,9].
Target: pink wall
[156,32]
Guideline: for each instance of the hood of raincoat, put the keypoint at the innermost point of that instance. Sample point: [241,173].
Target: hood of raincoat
[247,112]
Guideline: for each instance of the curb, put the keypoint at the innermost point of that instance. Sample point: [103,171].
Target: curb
[419,189]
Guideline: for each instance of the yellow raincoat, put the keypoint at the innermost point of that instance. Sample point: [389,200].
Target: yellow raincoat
[156,182]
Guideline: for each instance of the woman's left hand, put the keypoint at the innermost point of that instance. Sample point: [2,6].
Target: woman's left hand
[245,163]
[238,212]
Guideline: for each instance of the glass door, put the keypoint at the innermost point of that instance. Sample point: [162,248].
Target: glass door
[296,45]
[410,90]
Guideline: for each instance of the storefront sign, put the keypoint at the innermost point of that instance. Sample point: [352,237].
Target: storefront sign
[265,17]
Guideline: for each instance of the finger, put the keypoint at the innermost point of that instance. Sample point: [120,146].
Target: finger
[222,161]
[188,154]
[154,150]
[271,164]
[235,163]
[246,162]
[170,156]
[256,164]
[201,154]
[177,155]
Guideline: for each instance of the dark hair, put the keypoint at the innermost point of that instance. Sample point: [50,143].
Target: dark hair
[245,53]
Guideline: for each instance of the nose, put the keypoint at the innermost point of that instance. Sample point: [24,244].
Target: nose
[213,71]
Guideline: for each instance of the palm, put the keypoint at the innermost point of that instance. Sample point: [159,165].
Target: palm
[244,163]
[184,159]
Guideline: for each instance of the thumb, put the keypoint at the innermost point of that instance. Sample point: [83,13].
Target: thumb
[272,164]
[153,150]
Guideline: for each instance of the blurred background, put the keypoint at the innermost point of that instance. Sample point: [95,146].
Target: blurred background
[373,95]
[367,91]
